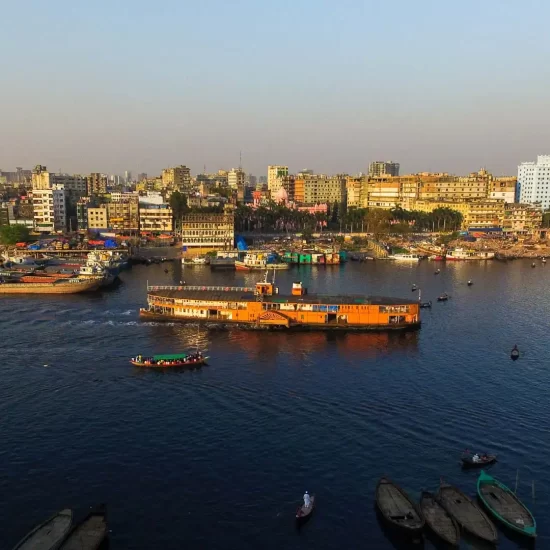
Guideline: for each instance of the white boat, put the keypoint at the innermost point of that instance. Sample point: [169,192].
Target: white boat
[404,257]
[197,260]
[460,254]
[97,268]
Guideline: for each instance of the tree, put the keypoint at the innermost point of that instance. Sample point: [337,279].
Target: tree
[11,234]
[178,203]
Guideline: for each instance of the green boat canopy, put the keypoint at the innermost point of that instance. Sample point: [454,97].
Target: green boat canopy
[170,357]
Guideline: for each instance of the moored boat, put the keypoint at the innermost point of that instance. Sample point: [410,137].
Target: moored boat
[259,261]
[460,254]
[61,286]
[438,519]
[193,359]
[467,513]
[404,257]
[505,506]
[397,508]
[89,533]
[303,513]
[49,534]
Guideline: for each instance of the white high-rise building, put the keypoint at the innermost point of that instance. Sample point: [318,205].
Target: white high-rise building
[534,181]
[49,206]
[274,177]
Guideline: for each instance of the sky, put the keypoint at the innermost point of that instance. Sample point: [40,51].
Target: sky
[109,86]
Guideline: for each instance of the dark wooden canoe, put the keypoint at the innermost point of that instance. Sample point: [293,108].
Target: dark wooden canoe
[397,508]
[89,533]
[467,513]
[303,513]
[439,520]
[48,534]
[484,460]
[505,506]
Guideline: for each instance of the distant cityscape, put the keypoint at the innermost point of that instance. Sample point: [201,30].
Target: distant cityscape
[46,202]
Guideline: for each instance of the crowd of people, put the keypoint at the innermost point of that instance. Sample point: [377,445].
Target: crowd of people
[186,359]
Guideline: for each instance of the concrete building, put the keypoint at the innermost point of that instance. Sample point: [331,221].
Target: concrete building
[534,182]
[383,168]
[504,188]
[123,214]
[477,213]
[522,219]
[177,179]
[97,183]
[313,189]
[235,180]
[98,217]
[274,175]
[355,191]
[82,213]
[210,231]
[74,184]
[50,212]
[383,192]
[155,218]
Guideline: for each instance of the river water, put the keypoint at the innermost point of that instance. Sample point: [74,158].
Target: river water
[219,457]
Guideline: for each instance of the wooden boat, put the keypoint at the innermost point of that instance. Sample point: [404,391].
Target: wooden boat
[443,297]
[470,283]
[49,534]
[89,533]
[505,506]
[483,460]
[397,508]
[467,514]
[514,354]
[62,286]
[426,305]
[303,513]
[170,361]
[439,520]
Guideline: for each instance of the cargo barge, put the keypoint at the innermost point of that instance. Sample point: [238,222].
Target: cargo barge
[59,286]
[262,307]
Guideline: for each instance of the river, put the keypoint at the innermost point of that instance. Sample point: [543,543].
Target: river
[219,457]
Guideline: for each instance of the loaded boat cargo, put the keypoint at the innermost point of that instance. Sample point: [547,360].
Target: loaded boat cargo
[262,306]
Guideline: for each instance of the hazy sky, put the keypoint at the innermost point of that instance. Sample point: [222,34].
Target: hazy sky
[443,85]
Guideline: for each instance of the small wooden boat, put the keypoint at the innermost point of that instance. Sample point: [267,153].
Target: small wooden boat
[303,513]
[533,264]
[414,288]
[170,361]
[443,297]
[49,534]
[514,354]
[505,506]
[437,271]
[470,283]
[397,508]
[426,305]
[467,514]
[89,533]
[482,460]
[439,520]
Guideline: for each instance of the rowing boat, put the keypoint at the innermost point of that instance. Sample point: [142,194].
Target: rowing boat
[89,533]
[439,520]
[49,534]
[505,506]
[303,513]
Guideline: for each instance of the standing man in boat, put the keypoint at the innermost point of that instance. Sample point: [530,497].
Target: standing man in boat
[307,501]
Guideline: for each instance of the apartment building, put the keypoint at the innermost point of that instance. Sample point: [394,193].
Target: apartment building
[49,207]
[275,173]
[155,218]
[177,178]
[522,219]
[98,217]
[534,182]
[383,168]
[214,231]
[97,183]
[313,189]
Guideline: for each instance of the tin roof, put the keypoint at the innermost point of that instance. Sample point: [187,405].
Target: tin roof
[229,296]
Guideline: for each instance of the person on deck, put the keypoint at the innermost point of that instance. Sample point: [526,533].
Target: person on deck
[307,501]
[475,458]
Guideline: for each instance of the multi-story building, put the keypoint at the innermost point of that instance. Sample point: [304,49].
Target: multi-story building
[383,168]
[215,231]
[97,183]
[4,215]
[49,209]
[288,184]
[314,189]
[20,178]
[74,184]
[235,180]
[123,214]
[177,178]
[355,191]
[383,192]
[503,188]
[155,218]
[82,213]
[98,217]
[534,182]
[274,175]
[477,213]
[522,219]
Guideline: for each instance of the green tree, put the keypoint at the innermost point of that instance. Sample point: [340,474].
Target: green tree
[11,234]
[178,203]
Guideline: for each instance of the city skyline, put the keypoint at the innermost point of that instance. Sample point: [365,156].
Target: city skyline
[434,87]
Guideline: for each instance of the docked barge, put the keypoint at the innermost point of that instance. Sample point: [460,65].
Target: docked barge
[262,306]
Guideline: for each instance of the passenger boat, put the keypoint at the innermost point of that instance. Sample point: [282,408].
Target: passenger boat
[397,508]
[303,513]
[460,254]
[89,533]
[49,534]
[467,513]
[170,361]
[439,520]
[262,307]
[505,506]
[258,261]
[404,257]
[482,460]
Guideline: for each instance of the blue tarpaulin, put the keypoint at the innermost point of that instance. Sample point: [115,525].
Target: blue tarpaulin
[241,244]
[110,244]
